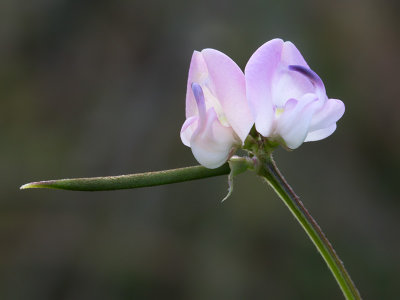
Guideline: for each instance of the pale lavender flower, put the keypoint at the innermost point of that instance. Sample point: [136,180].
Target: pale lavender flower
[288,99]
[218,118]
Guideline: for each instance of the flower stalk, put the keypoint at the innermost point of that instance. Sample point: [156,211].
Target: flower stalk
[270,172]
[260,160]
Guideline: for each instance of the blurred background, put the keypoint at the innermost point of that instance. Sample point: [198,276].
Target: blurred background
[93,88]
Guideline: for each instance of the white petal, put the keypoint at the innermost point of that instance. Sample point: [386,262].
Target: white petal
[320,134]
[212,143]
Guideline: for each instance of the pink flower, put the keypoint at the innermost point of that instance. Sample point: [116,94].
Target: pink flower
[288,99]
[218,118]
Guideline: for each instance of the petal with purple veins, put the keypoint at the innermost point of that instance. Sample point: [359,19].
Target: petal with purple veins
[315,80]
[197,72]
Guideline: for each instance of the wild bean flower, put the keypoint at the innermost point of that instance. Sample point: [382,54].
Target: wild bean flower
[289,104]
[218,118]
[287,99]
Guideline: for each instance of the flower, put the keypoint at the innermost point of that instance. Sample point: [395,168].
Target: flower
[287,98]
[218,118]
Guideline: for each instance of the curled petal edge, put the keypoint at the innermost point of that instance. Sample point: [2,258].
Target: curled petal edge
[188,128]
[320,134]
[328,115]
[294,123]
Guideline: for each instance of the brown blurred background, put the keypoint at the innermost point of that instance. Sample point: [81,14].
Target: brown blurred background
[92,88]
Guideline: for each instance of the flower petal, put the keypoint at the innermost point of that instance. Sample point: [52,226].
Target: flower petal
[212,143]
[329,114]
[287,84]
[228,83]
[259,73]
[292,56]
[197,72]
[294,122]
[315,80]
[188,128]
[320,134]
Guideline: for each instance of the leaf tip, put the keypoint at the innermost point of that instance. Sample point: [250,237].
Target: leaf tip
[27,186]
[33,185]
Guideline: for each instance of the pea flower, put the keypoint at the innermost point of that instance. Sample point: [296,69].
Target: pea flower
[218,118]
[287,99]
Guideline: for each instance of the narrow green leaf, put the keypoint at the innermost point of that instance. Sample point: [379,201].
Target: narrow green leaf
[130,181]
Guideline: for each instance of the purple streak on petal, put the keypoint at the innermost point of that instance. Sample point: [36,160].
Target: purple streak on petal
[197,71]
[310,74]
[199,96]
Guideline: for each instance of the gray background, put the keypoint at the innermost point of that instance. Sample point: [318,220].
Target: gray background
[91,88]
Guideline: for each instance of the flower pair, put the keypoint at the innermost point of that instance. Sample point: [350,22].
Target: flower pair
[278,92]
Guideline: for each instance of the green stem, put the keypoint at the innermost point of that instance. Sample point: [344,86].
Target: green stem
[130,181]
[270,172]
[265,168]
